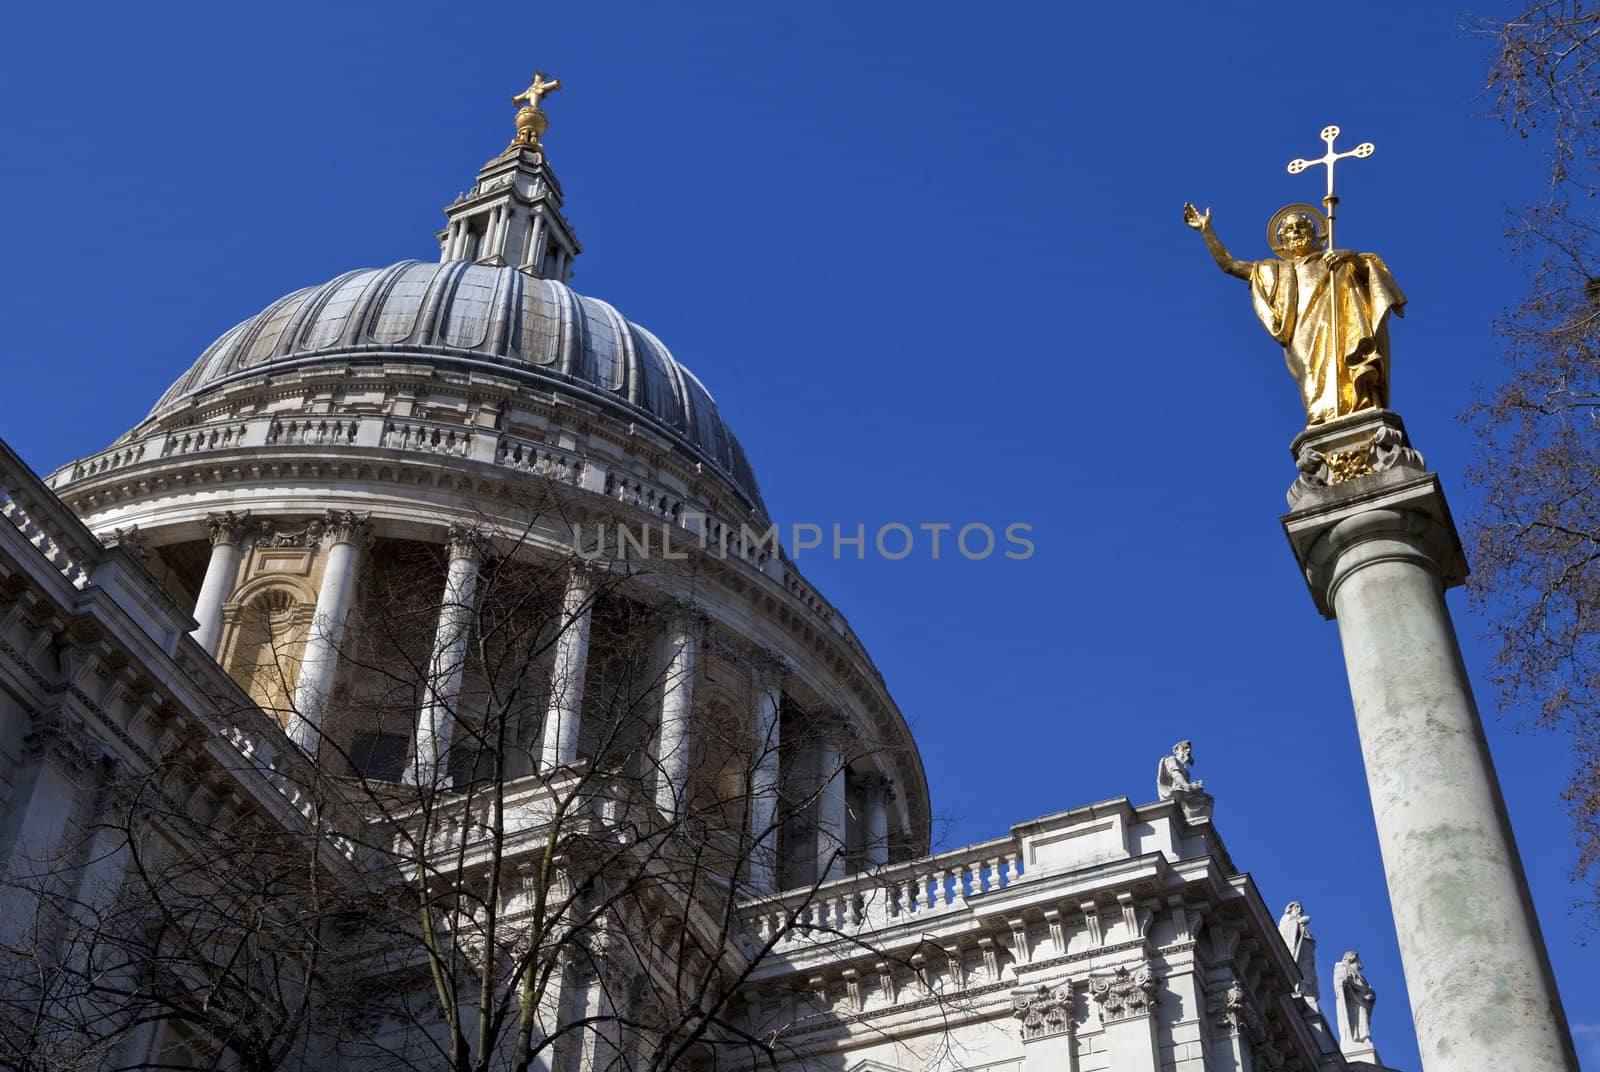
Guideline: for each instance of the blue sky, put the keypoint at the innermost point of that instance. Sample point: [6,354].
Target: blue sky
[932,264]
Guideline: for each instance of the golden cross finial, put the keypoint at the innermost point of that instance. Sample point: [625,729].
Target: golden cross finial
[1328,159]
[531,120]
[541,87]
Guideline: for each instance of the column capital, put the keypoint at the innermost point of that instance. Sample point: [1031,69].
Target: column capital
[130,538]
[1401,504]
[65,744]
[1124,992]
[465,540]
[342,526]
[228,528]
[1043,1010]
[1235,1015]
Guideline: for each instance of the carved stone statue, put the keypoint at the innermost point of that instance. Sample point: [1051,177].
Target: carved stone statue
[1295,927]
[1328,309]
[1353,1000]
[1173,783]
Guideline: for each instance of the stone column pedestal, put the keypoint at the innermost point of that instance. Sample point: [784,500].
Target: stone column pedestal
[1375,539]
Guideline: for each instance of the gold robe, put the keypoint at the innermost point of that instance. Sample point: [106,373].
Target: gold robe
[1337,349]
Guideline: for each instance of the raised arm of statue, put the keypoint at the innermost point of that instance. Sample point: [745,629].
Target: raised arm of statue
[1201,221]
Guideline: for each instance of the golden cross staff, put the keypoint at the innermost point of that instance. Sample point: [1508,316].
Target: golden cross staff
[1328,159]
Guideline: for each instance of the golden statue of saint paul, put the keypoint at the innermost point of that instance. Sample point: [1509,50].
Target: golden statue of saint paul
[1328,309]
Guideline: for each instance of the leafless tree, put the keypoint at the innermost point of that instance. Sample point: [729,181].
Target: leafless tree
[1536,541]
[488,910]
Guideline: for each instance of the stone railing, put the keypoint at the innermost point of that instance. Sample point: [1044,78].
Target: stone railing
[633,491]
[203,437]
[107,460]
[45,522]
[429,437]
[312,432]
[540,459]
[888,897]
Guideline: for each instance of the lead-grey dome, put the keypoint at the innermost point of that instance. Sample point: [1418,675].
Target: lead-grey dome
[465,314]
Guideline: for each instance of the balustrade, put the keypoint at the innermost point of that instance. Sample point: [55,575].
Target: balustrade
[427,436]
[204,437]
[537,458]
[312,432]
[887,897]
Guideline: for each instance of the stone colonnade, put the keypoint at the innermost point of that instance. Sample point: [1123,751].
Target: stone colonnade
[340,535]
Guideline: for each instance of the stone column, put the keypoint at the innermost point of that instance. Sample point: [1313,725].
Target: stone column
[880,794]
[765,783]
[227,531]
[1045,1015]
[571,663]
[1126,998]
[61,764]
[1378,550]
[830,804]
[673,740]
[442,688]
[342,532]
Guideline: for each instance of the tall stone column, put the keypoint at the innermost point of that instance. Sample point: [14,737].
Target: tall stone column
[830,804]
[227,531]
[880,794]
[765,783]
[673,741]
[571,663]
[342,532]
[1372,532]
[442,689]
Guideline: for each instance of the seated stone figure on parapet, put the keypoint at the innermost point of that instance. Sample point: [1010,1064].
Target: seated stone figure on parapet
[1173,783]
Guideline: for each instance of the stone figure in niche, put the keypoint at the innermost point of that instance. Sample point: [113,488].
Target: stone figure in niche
[1353,1000]
[1173,783]
[1295,927]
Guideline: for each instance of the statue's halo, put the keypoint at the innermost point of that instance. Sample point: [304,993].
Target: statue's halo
[1291,210]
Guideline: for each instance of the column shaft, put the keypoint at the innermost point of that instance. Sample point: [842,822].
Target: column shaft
[764,788]
[673,741]
[1482,993]
[442,689]
[227,535]
[830,810]
[877,839]
[320,660]
[571,663]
